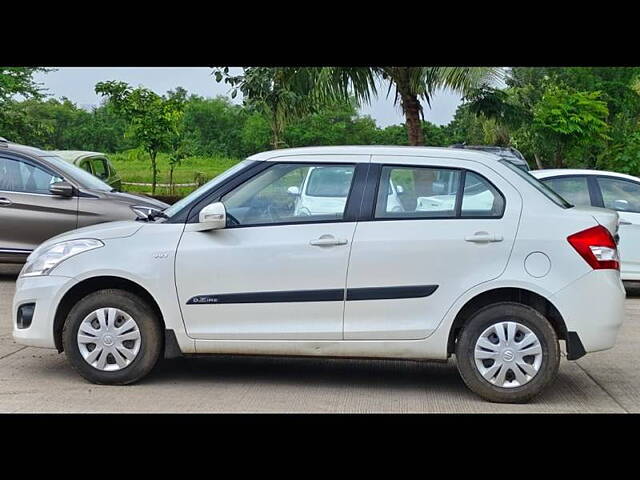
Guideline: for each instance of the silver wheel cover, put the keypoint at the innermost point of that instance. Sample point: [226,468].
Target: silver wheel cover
[109,339]
[508,354]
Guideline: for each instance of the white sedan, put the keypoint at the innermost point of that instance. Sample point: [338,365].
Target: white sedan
[598,188]
[235,268]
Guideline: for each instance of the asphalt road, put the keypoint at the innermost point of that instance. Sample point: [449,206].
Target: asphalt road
[40,380]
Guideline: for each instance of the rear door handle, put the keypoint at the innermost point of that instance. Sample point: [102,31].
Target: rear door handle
[328,241]
[483,237]
[5,202]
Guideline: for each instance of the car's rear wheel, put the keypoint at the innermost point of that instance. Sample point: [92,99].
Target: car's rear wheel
[112,337]
[508,352]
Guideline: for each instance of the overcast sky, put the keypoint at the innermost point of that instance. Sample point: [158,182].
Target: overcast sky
[77,84]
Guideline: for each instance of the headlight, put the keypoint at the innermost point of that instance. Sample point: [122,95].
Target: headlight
[44,261]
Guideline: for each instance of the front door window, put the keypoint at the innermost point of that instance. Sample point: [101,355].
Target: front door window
[291,193]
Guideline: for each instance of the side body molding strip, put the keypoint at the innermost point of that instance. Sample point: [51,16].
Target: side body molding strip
[331,295]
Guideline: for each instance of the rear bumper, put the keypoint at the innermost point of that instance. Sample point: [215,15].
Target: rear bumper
[592,308]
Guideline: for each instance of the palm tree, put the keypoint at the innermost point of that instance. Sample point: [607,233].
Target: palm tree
[411,85]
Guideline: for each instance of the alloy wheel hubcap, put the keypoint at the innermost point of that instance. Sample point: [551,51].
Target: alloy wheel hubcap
[508,354]
[109,339]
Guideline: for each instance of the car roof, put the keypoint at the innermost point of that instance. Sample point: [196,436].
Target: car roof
[26,150]
[563,172]
[73,155]
[438,152]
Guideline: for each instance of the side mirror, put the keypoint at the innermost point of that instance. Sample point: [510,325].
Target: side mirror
[295,191]
[399,189]
[212,217]
[64,189]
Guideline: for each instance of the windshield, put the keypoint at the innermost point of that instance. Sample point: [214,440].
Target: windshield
[538,185]
[196,194]
[84,178]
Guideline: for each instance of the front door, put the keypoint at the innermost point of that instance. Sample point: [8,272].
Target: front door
[408,266]
[276,271]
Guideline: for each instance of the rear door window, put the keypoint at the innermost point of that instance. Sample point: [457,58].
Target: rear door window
[434,192]
[426,192]
[480,198]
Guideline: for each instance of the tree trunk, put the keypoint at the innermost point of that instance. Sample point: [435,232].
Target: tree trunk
[154,169]
[411,107]
[171,187]
[538,161]
[558,159]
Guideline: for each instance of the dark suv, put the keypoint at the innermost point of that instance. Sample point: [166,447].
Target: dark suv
[509,154]
[41,196]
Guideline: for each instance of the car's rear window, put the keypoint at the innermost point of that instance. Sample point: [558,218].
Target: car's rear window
[538,185]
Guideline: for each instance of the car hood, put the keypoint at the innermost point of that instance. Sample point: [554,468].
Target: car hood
[101,231]
[129,199]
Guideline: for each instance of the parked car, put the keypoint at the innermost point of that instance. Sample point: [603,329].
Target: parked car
[509,154]
[598,188]
[41,196]
[97,164]
[233,268]
[325,189]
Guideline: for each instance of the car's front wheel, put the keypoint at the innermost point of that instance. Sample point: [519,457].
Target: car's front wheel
[112,337]
[508,352]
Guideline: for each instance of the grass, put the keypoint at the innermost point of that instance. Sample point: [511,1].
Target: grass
[136,167]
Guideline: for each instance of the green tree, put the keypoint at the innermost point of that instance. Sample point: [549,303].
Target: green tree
[154,121]
[16,81]
[570,121]
[19,81]
[280,93]
[335,123]
[411,86]
[214,126]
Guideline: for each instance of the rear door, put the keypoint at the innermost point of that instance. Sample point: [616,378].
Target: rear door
[29,213]
[408,267]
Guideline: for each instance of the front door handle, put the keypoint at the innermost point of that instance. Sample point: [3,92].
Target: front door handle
[328,241]
[483,237]
[625,222]
[4,202]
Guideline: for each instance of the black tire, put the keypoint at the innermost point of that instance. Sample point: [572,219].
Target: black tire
[150,332]
[499,312]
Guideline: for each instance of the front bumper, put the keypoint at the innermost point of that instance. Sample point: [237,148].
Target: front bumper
[46,292]
[593,308]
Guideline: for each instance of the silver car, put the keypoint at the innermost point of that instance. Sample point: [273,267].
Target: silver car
[41,196]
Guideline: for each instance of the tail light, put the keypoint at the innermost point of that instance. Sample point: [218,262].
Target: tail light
[597,247]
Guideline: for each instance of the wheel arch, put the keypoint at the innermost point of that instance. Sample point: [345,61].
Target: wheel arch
[506,294]
[93,284]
